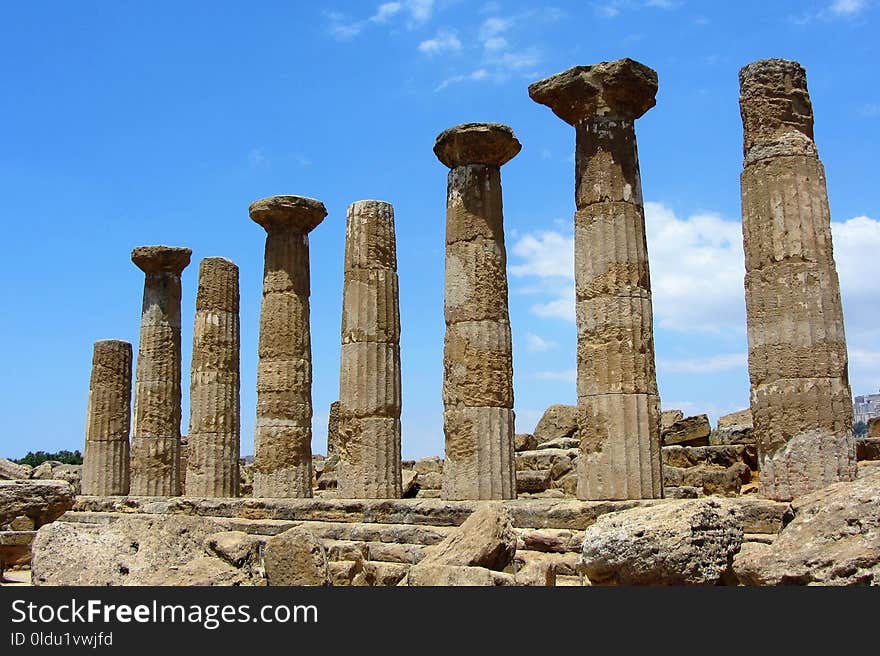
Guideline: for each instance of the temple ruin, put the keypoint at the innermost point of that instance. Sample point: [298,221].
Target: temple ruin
[554,504]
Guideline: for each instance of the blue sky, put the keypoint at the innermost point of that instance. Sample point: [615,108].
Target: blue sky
[125,123]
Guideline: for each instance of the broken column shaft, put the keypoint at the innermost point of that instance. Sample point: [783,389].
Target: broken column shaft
[106,457]
[283,433]
[368,440]
[155,443]
[213,448]
[477,358]
[800,394]
[618,403]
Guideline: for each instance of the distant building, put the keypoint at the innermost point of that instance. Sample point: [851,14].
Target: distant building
[866,407]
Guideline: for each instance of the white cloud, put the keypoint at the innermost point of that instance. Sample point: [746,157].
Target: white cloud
[495,43]
[342,27]
[479,74]
[385,11]
[848,7]
[420,10]
[697,270]
[443,41]
[537,344]
[613,8]
[711,364]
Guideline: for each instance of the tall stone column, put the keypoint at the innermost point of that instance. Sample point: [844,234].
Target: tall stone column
[155,443]
[283,434]
[213,449]
[478,417]
[800,395]
[618,404]
[368,443]
[106,459]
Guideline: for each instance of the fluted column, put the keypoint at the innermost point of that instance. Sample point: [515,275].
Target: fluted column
[106,456]
[155,443]
[368,441]
[618,403]
[283,433]
[214,423]
[800,394]
[478,418]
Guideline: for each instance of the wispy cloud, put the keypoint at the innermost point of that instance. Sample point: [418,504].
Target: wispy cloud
[413,13]
[443,41]
[613,8]
[848,7]
[500,37]
[837,9]
[711,364]
[386,11]
[476,75]
[537,344]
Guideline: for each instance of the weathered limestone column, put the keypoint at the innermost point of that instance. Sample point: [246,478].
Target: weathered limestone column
[155,441]
[213,449]
[618,404]
[478,417]
[368,442]
[283,434]
[800,394]
[106,457]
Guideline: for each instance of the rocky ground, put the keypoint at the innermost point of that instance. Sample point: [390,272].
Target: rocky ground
[711,529]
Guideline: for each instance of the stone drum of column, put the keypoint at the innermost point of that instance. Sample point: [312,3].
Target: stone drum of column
[478,418]
[618,403]
[213,448]
[155,442]
[106,458]
[283,433]
[368,440]
[800,393]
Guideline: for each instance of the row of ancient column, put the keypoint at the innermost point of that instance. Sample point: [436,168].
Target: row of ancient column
[797,352]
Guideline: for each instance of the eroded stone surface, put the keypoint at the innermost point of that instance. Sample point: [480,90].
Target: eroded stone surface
[155,441]
[296,557]
[282,441]
[214,426]
[478,356]
[801,401]
[676,543]
[367,439]
[618,408]
[834,539]
[106,457]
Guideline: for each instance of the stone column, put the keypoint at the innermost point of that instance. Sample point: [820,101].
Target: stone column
[478,417]
[213,448]
[618,404]
[106,458]
[368,441]
[283,434]
[155,442]
[800,395]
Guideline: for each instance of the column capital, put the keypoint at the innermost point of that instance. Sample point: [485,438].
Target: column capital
[492,144]
[287,213]
[621,89]
[161,259]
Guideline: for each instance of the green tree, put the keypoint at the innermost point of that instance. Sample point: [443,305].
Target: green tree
[860,428]
[65,457]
